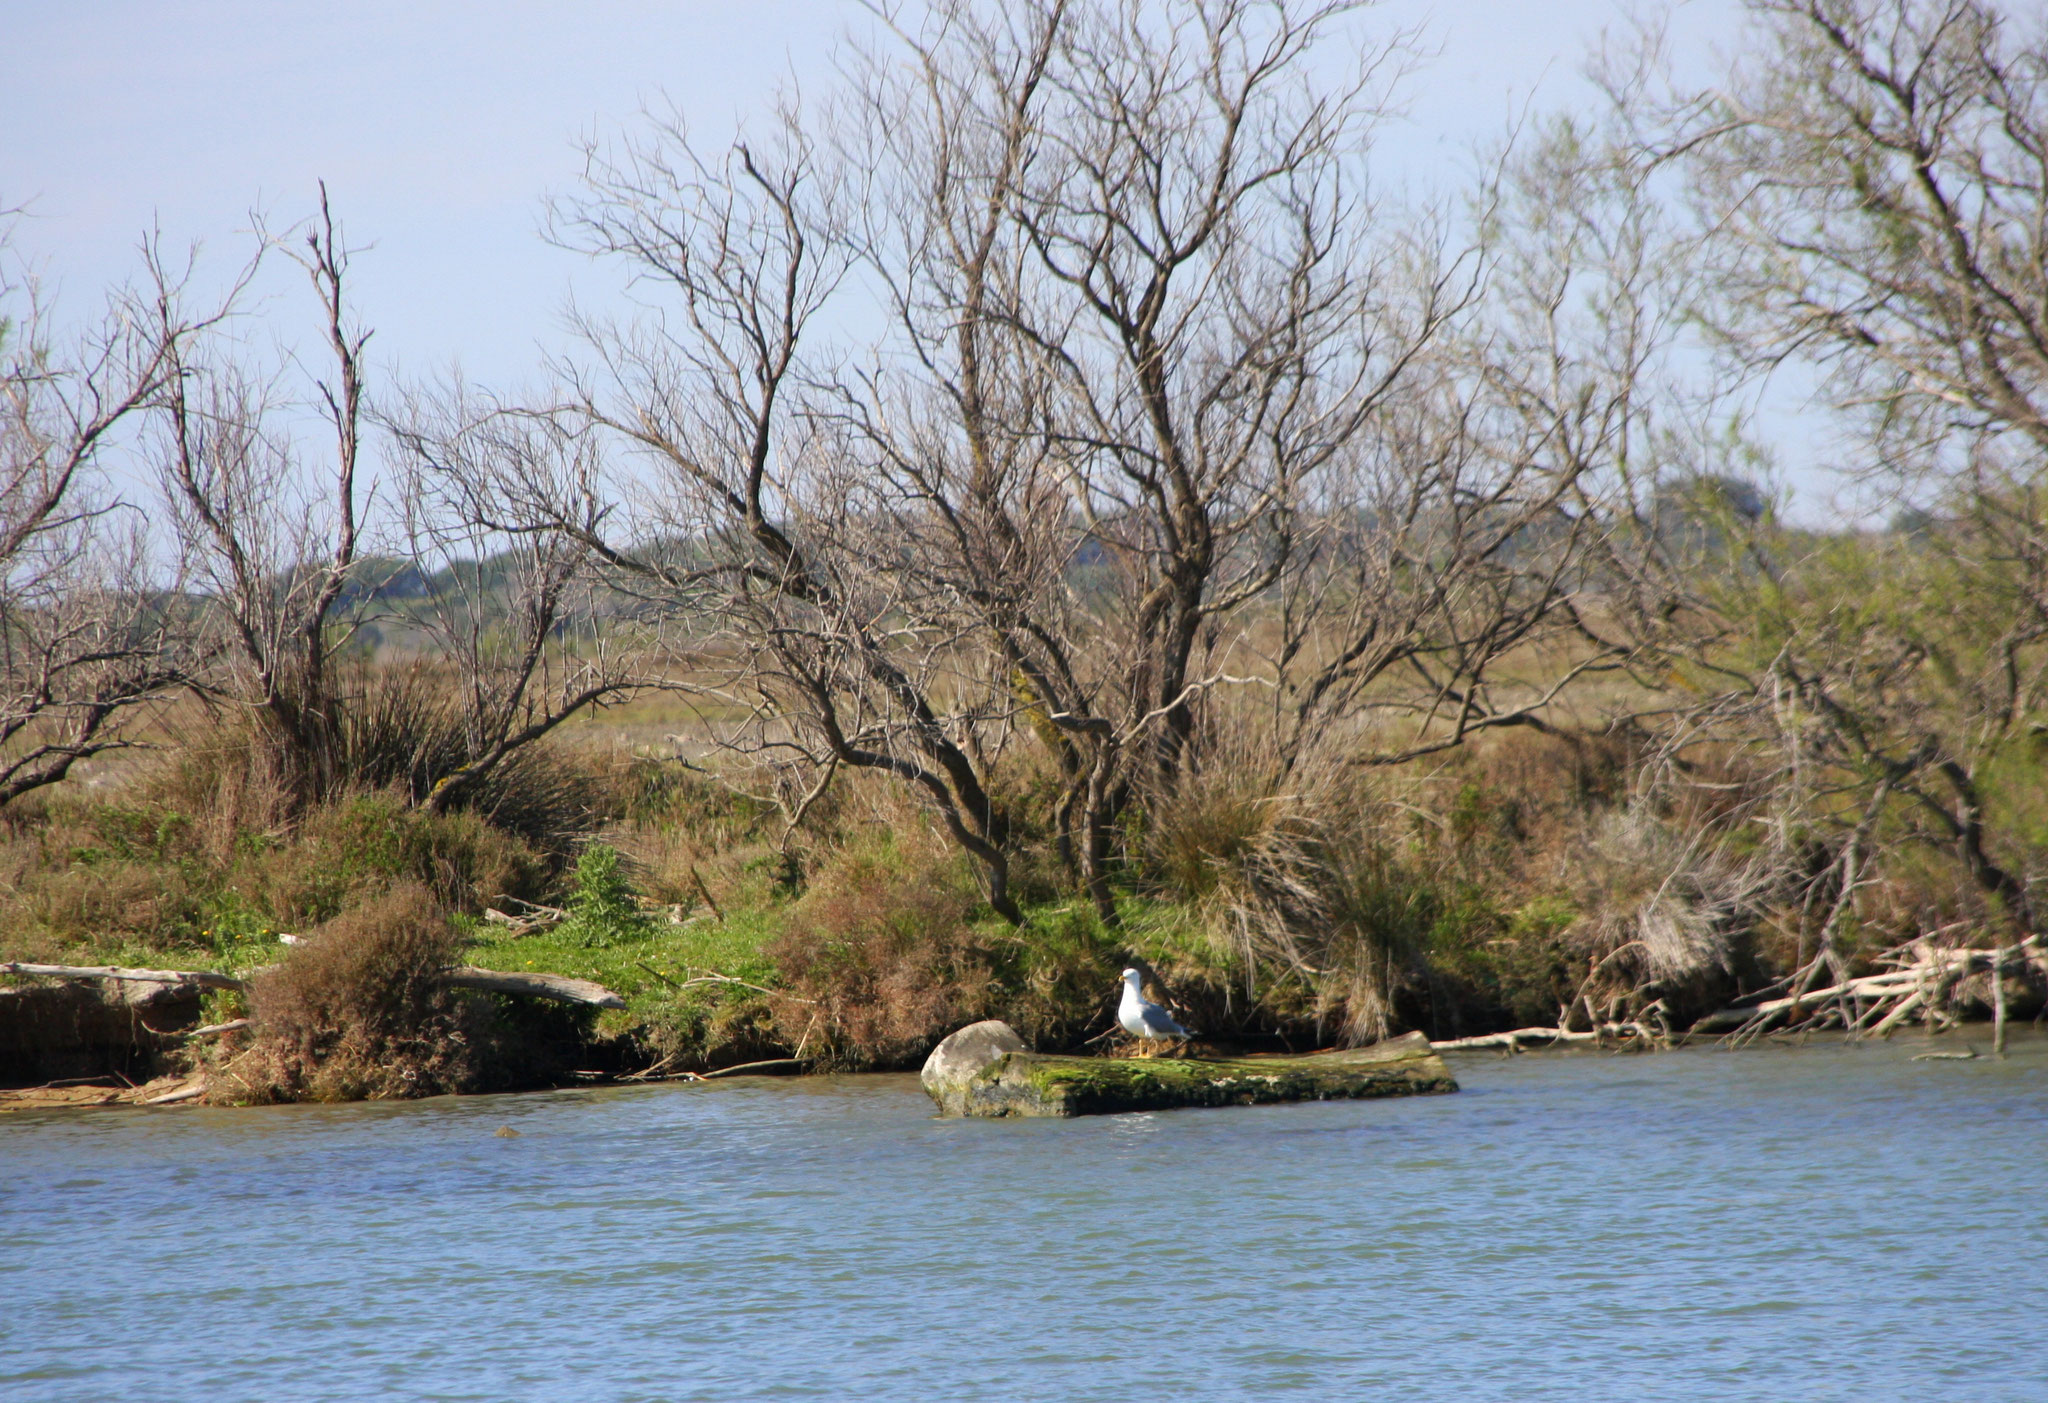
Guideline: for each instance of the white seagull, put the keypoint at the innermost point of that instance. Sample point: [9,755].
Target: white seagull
[1142,1018]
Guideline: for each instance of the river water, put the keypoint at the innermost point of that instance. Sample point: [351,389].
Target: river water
[1831,1222]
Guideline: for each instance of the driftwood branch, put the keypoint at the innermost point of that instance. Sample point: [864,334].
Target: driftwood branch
[1606,1033]
[1876,985]
[774,1066]
[214,1030]
[558,987]
[533,917]
[712,976]
[191,1092]
[209,978]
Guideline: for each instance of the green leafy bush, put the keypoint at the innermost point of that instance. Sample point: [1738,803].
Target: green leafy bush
[602,909]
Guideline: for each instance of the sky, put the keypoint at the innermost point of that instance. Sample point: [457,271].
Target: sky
[440,127]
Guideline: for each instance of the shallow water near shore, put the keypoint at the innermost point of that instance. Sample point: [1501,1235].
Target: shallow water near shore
[1828,1222]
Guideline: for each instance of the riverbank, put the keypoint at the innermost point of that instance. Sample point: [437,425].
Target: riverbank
[720,936]
[1969,1042]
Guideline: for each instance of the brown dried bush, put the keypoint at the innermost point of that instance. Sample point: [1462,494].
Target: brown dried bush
[879,959]
[358,1011]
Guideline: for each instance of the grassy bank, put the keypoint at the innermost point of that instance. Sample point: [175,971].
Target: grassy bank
[1525,880]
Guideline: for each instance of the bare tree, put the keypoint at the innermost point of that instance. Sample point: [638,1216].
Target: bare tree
[1165,410]
[1130,266]
[92,624]
[274,549]
[1188,414]
[739,526]
[507,606]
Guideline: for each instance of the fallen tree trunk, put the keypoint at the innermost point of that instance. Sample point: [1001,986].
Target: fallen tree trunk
[209,978]
[558,987]
[1898,1014]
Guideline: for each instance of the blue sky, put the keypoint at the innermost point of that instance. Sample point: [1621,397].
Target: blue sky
[441,127]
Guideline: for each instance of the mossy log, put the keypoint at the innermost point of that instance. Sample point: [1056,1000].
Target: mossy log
[1028,1084]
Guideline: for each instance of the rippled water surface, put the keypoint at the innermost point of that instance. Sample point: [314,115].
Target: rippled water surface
[1837,1222]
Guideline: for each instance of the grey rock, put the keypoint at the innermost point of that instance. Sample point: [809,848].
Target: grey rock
[956,1061]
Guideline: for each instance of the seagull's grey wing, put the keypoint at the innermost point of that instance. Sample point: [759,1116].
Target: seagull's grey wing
[1160,1023]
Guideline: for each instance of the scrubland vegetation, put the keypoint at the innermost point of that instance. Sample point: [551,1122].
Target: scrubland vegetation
[1055,514]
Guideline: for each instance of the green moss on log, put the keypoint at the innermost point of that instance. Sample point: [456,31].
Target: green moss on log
[1027,1084]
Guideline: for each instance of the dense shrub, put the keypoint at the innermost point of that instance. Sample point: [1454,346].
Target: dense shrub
[363,844]
[880,958]
[358,1010]
[101,877]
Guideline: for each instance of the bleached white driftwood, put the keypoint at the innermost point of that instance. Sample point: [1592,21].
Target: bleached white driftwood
[559,987]
[1916,987]
[209,978]
[542,986]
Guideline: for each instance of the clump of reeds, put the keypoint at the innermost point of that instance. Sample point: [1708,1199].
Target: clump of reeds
[1298,887]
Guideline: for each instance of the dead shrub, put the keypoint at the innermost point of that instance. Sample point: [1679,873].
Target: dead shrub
[880,960]
[1669,913]
[359,1011]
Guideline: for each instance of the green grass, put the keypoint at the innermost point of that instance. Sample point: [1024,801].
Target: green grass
[644,968]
